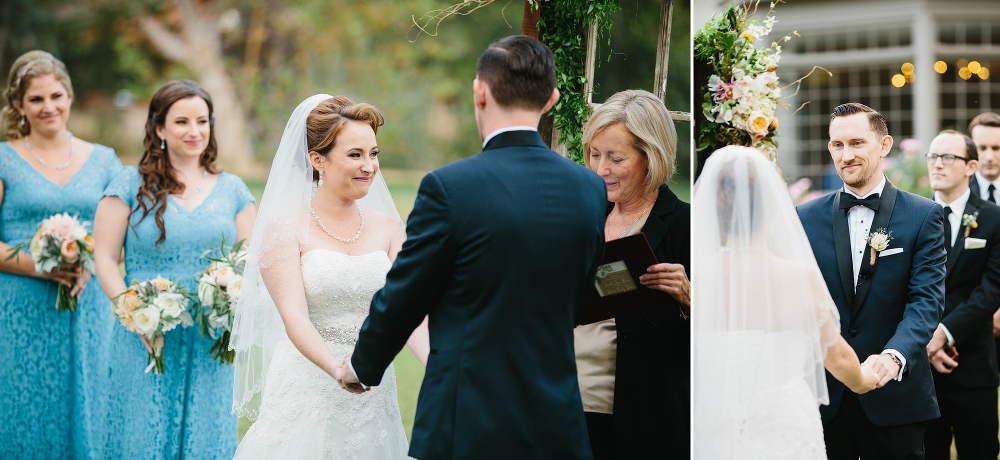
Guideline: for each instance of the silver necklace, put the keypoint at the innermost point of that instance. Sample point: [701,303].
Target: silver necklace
[643,213]
[43,163]
[328,232]
[203,174]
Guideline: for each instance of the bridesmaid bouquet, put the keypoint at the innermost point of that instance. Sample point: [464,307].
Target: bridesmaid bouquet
[152,308]
[62,241]
[219,288]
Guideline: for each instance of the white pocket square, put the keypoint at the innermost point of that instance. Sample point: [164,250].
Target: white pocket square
[975,243]
[889,252]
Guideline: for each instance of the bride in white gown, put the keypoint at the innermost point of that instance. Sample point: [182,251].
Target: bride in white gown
[765,327]
[318,254]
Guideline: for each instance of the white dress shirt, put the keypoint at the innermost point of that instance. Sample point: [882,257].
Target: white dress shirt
[984,187]
[859,223]
[955,220]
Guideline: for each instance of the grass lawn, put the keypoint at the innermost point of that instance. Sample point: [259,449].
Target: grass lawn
[409,373]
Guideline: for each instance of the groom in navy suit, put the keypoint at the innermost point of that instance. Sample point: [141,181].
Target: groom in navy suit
[501,252]
[890,297]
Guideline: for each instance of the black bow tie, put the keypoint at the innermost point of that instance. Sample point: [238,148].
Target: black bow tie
[848,201]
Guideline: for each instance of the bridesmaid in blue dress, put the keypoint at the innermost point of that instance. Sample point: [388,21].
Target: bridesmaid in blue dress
[166,212]
[51,363]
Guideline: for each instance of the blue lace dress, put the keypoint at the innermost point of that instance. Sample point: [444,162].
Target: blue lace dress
[187,411]
[51,363]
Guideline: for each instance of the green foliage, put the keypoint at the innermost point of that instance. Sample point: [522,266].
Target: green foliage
[561,26]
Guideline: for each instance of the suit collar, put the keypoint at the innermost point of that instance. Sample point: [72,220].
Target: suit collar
[515,139]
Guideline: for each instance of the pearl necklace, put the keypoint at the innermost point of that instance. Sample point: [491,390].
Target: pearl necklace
[197,190]
[328,232]
[43,163]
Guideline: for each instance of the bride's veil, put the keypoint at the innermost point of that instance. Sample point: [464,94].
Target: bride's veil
[763,318]
[282,223]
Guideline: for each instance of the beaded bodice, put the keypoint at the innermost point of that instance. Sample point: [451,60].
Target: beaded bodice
[339,290]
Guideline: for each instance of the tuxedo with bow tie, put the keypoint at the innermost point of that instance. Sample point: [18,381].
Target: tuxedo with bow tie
[896,304]
[968,395]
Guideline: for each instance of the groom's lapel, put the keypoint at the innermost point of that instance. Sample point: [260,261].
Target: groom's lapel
[842,247]
[881,221]
[956,250]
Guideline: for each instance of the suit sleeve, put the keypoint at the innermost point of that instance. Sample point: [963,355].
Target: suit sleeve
[977,310]
[413,286]
[925,303]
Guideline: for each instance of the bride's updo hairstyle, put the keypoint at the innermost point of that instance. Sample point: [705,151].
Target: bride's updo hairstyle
[158,177]
[327,120]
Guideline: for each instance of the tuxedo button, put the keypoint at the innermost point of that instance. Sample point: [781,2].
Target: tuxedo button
[854,333]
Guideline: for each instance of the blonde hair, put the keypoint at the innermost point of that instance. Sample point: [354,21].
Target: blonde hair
[652,132]
[30,65]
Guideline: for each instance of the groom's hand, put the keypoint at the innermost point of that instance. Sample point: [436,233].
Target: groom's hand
[347,379]
[886,368]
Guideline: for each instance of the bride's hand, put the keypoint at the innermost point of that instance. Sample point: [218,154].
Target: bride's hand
[869,379]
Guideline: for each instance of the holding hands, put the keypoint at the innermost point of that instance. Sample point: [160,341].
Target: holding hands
[869,379]
[885,366]
[347,379]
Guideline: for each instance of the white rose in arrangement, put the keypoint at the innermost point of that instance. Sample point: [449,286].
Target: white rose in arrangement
[206,290]
[758,124]
[235,288]
[79,233]
[147,320]
[172,305]
[224,274]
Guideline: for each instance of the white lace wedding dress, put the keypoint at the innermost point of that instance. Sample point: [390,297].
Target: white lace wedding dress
[305,414]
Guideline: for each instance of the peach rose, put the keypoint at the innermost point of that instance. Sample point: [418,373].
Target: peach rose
[758,125]
[70,251]
[161,283]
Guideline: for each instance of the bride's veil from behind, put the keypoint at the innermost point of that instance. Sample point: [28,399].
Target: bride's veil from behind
[281,231]
[763,317]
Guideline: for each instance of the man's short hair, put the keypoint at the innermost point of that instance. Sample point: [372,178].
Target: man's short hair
[875,119]
[520,72]
[990,119]
[971,152]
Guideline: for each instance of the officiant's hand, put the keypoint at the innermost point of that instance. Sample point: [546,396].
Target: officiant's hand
[943,362]
[938,341]
[885,367]
[669,278]
[347,379]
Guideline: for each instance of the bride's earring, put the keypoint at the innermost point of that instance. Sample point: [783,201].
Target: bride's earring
[321,178]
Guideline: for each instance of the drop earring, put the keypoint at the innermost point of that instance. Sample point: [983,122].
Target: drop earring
[163,144]
[22,120]
[320,178]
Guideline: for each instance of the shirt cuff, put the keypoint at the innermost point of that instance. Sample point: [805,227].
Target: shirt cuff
[351,367]
[947,333]
[899,356]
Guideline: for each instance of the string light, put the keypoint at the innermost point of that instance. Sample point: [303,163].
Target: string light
[974,66]
[940,67]
[983,73]
[898,80]
[965,73]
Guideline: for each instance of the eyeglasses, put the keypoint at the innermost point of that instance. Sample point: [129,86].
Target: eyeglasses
[946,159]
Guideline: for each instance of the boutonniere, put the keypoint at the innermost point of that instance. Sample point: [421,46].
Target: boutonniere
[878,240]
[969,221]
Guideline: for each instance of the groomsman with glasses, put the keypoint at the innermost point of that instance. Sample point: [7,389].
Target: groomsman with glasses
[967,387]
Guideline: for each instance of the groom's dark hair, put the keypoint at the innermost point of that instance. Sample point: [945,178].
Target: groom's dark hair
[520,72]
[875,120]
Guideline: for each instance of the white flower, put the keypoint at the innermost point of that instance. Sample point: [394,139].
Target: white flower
[879,240]
[79,233]
[206,290]
[172,305]
[758,123]
[147,320]
[217,321]
[223,274]
[235,288]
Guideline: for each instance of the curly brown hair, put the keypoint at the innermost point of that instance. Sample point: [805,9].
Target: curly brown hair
[159,178]
[327,120]
[27,67]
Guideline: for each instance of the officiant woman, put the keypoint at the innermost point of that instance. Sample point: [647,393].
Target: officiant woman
[634,369]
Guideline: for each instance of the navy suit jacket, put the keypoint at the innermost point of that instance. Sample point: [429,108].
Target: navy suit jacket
[501,251]
[898,302]
[972,289]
